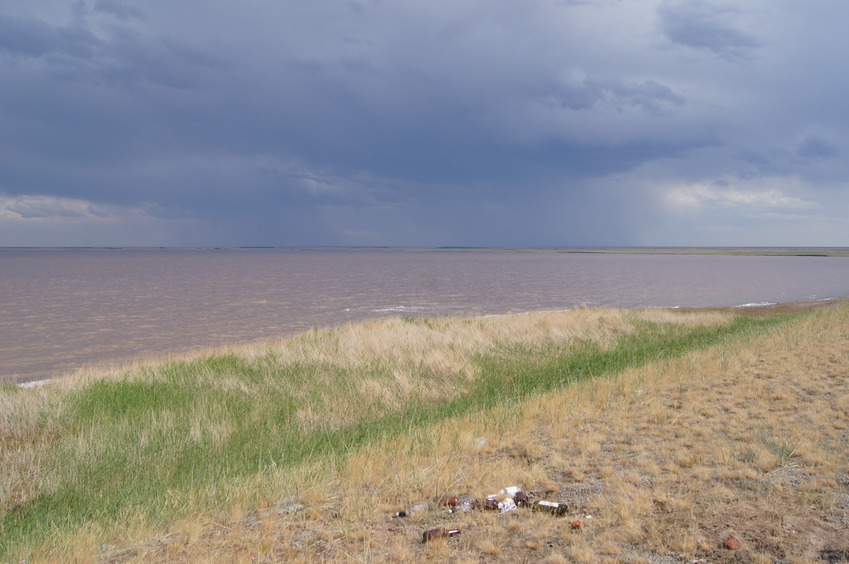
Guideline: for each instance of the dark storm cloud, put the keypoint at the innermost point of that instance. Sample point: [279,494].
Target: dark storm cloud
[412,122]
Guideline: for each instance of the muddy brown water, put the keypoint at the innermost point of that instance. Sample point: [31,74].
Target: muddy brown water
[63,309]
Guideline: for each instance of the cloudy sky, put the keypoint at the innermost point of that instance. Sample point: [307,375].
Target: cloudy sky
[424,122]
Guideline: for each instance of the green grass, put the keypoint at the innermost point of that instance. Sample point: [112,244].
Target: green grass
[781,447]
[155,447]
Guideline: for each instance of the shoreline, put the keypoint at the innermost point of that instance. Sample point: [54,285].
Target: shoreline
[780,307]
[110,307]
[755,310]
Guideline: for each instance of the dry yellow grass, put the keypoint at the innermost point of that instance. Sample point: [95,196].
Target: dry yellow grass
[394,352]
[666,459]
[661,464]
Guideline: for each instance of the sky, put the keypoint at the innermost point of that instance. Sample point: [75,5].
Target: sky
[424,123]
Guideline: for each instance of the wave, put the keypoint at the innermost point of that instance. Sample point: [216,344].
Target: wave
[399,309]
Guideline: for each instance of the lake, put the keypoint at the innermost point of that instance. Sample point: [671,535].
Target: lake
[63,309]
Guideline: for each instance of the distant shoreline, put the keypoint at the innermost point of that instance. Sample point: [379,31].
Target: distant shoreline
[755,310]
[741,251]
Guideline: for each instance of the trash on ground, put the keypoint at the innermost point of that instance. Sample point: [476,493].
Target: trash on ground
[507,499]
[517,495]
[487,504]
[463,504]
[415,509]
[439,533]
[448,501]
[552,507]
[506,504]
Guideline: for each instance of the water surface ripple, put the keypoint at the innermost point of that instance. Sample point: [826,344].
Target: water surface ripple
[62,309]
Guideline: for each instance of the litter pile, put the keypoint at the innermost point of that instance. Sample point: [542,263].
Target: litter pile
[506,500]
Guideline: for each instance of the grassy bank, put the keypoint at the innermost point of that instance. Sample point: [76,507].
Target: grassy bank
[106,459]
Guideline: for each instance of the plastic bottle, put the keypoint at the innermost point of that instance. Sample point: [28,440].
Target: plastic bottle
[464,503]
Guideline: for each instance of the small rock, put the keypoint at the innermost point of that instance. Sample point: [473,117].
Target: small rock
[419,508]
[731,542]
[576,525]
[290,507]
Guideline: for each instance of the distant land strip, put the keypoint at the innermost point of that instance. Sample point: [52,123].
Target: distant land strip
[742,251]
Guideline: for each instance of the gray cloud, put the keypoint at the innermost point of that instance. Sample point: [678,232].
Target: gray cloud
[122,10]
[414,122]
[708,26]
[31,37]
[649,96]
[40,207]
[816,147]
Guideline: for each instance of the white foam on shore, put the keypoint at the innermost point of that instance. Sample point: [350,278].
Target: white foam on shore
[757,304]
[32,384]
[399,309]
